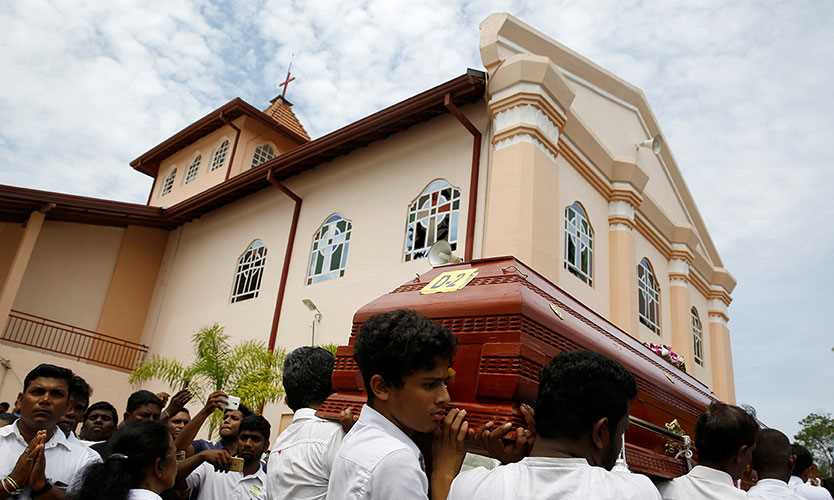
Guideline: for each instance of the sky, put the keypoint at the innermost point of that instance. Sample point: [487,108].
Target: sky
[741,89]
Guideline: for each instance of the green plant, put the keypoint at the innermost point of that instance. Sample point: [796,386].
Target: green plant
[817,434]
[248,370]
[330,347]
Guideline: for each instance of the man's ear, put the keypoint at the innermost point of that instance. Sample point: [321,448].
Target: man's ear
[380,388]
[601,433]
[791,462]
[17,402]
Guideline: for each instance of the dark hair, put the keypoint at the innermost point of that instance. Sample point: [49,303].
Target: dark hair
[141,398]
[182,410]
[307,377]
[5,405]
[7,417]
[103,405]
[398,343]
[48,371]
[772,453]
[722,430]
[256,423]
[79,388]
[577,389]
[804,459]
[133,448]
[243,409]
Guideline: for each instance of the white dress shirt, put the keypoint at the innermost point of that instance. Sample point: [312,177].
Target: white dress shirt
[142,495]
[65,459]
[230,485]
[772,489]
[377,461]
[702,483]
[302,457]
[536,478]
[807,491]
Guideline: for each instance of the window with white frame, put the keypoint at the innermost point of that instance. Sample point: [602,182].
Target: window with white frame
[579,243]
[263,153]
[168,182]
[249,271]
[649,296]
[219,158]
[697,337]
[193,169]
[328,257]
[432,216]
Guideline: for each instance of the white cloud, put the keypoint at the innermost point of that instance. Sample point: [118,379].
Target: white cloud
[740,89]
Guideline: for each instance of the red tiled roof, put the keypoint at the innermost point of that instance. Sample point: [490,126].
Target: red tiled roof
[281,111]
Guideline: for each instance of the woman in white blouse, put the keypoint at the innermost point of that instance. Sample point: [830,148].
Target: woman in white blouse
[142,465]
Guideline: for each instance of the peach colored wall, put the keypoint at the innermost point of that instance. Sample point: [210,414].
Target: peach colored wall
[182,159]
[134,277]
[69,273]
[574,187]
[372,187]
[10,234]
[252,135]
[619,129]
[108,385]
[643,248]
[702,373]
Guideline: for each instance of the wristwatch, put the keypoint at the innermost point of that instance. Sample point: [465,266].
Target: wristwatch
[46,488]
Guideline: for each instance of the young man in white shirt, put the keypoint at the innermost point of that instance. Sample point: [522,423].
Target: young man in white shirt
[302,457]
[79,399]
[100,422]
[803,464]
[36,458]
[581,415]
[405,361]
[773,463]
[725,436]
[206,471]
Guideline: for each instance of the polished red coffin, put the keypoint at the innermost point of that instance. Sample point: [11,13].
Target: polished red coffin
[509,322]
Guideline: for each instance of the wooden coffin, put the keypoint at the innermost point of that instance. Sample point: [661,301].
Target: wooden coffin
[509,322]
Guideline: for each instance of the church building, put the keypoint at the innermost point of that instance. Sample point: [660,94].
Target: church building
[280,238]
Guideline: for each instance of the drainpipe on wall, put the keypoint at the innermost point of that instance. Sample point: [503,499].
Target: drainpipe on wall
[473,174]
[234,145]
[282,285]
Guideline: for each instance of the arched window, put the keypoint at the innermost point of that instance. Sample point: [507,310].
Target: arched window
[579,243]
[432,216]
[250,270]
[168,182]
[193,169]
[219,158]
[328,258]
[649,296]
[697,337]
[262,154]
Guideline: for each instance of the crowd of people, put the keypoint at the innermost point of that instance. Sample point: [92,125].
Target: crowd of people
[406,443]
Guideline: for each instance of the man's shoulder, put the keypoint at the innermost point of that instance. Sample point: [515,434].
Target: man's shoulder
[808,492]
[313,430]
[368,446]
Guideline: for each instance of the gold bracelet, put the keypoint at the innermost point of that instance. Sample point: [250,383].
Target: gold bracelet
[14,484]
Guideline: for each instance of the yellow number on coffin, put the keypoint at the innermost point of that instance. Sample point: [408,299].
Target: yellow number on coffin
[450,281]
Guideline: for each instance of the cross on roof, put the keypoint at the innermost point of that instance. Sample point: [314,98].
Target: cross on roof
[287,81]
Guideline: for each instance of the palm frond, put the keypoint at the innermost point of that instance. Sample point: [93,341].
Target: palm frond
[211,342]
[170,371]
[331,348]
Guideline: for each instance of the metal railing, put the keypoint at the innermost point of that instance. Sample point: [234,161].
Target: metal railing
[42,333]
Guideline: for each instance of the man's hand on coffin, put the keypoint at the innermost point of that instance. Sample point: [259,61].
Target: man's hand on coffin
[347,419]
[497,441]
[448,451]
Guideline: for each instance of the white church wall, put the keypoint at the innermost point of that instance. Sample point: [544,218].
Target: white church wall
[372,187]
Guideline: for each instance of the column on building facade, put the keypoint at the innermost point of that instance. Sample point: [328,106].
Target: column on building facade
[621,257]
[680,303]
[720,350]
[17,269]
[526,103]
